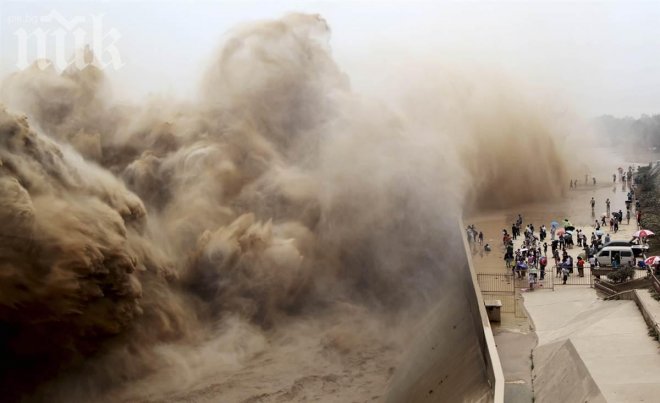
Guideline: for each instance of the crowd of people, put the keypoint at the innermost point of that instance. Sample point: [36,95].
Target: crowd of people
[531,258]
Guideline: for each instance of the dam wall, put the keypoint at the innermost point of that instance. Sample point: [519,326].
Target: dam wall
[453,357]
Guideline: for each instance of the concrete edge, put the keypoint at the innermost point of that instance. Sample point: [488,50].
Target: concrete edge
[491,355]
[603,288]
[532,325]
[646,314]
[556,349]
[655,283]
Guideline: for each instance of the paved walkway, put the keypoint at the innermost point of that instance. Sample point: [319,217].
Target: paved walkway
[610,337]
[515,349]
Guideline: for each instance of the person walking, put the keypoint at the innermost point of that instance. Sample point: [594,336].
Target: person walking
[628,217]
[593,203]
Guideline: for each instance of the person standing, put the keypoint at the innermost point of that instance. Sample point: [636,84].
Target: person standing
[607,203]
[481,238]
[531,277]
[580,266]
[543,262]
[564,273]
[579,238]
[593,203]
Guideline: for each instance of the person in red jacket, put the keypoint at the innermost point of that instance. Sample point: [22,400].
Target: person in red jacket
[580,266]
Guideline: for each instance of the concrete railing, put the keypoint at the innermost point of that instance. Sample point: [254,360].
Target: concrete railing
[488,346]
[655,283]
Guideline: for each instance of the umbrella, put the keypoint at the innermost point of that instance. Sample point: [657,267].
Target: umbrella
[643,233]
[599,233]
[650,261]
[569,228]
[554,224]
[561,231]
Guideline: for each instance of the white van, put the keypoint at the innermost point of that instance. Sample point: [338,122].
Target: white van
[623,253]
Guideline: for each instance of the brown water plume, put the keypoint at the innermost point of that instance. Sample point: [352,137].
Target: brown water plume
[278,212]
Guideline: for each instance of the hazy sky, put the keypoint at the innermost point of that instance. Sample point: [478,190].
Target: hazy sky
[600,57]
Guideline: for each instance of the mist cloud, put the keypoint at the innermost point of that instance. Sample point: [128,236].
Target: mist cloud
[134,233]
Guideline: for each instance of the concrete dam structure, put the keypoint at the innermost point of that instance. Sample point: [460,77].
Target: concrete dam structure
[453,357]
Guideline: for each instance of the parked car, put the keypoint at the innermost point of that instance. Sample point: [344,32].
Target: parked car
[638,250]
[623,254]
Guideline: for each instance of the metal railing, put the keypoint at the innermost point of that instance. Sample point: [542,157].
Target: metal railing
[574,276]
